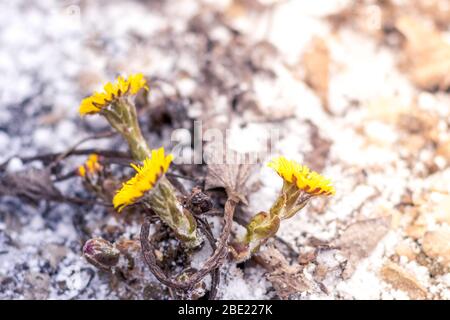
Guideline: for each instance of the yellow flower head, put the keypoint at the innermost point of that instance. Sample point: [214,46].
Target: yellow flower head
[145,179]
[305,179]
[112,91]
[90,166]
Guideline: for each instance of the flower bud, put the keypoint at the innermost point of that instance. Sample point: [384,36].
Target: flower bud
[101,253]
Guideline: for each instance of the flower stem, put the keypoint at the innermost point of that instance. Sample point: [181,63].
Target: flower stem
[164,203]
[162,198]
[122,117]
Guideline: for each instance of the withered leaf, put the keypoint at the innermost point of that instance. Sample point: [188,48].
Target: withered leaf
[230,175]
[359,240]
[403,280]
[316,62]
[32,184]
[316,159]
[286,279]
[426,54]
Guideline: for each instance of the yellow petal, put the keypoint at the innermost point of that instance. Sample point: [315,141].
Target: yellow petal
[147,175]
[305,179]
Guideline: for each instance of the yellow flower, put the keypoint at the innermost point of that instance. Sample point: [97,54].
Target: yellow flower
[112,91]
[145,179]
[90,166]
[305,179]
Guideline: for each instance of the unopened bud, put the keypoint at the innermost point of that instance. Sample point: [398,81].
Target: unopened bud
[101,253]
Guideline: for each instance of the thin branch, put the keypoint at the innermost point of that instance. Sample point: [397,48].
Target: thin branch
[212,263]
[47,157]
[76,145]
[215,274]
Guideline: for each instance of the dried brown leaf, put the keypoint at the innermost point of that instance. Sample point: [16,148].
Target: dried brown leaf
[436,244]
[231,176]
[238,8]
[443,149]
[426,54]
[372,19]
[359,240]
[316,62]
[286,279]
[403,280]
[32,184]
[438,10]
[316,159]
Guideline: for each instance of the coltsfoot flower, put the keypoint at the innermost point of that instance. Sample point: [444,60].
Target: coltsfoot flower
[114,105]
[145,179]
[90,167]
[309,181]
[299,186]
[111,92]
[151,188]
